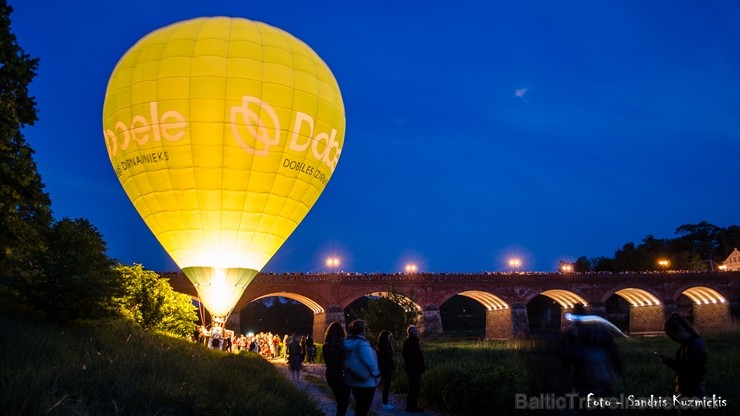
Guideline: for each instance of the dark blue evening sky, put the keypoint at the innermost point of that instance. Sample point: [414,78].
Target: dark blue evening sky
[476,130]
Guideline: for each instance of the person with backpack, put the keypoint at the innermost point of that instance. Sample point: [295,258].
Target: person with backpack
[361,371]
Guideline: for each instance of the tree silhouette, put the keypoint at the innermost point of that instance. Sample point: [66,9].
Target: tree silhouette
[25,209]
[393,311]
[698,247]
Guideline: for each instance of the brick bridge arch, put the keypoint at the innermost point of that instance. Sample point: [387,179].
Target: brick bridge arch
[651,296]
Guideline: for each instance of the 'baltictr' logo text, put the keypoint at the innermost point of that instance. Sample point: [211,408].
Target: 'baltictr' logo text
[254,125]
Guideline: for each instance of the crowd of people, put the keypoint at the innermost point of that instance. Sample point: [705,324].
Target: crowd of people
[268,345]
[355,368]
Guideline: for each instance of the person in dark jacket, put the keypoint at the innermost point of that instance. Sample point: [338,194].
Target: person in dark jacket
[295,358]
[413,364]
[386,364]
[691,359]
[310,349]
[334,353]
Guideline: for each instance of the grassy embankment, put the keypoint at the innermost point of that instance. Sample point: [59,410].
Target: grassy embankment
[94,369]
[474,378]
[106,370]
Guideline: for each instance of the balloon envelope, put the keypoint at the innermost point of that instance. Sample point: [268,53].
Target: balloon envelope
[223,133]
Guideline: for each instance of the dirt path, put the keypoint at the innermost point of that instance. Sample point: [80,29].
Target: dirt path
[313,383]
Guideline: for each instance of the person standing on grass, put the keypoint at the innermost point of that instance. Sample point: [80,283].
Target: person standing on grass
[386,364]
[333,351]
[413,364]
[690,364]
[367,373]
[591,355]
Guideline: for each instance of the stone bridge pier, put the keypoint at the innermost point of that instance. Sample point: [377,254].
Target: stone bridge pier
[322,320]
[499,324]
[431,321]
[646,319]
[712,315]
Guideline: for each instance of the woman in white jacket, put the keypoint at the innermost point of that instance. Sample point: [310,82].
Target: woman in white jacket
[362,385]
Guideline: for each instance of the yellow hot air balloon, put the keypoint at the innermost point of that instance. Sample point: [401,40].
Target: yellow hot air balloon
[223,132]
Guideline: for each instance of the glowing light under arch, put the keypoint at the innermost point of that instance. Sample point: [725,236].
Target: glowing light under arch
[638,297]
[701,295]
[565,298]
[308,302]
[491,302]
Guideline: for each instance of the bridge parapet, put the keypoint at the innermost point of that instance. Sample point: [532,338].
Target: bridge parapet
[330,293]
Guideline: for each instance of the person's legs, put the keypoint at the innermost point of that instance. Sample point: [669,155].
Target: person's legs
[341,395]
[412,399]
[386,386]
[363,399]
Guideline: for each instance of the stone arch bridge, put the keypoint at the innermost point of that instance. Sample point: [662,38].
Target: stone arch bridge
[651,296]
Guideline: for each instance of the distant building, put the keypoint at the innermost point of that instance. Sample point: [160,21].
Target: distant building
[733,261]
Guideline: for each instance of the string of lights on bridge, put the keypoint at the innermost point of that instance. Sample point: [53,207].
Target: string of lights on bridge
[566,299]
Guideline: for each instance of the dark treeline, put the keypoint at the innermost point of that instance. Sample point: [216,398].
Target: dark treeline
[44,262]
[701,246]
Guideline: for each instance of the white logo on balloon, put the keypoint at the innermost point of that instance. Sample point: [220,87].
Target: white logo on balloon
[256,127]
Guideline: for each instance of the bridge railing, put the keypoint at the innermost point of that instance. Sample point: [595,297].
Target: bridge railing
[465,276]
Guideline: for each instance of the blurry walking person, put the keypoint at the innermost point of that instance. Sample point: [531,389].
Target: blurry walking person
[386,364]
[690,364]
[333,351]
[413,364]
[361,371]
[295,358]
[591,355]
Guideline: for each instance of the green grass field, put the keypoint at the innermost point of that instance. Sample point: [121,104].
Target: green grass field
[112,369]
[471,378]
